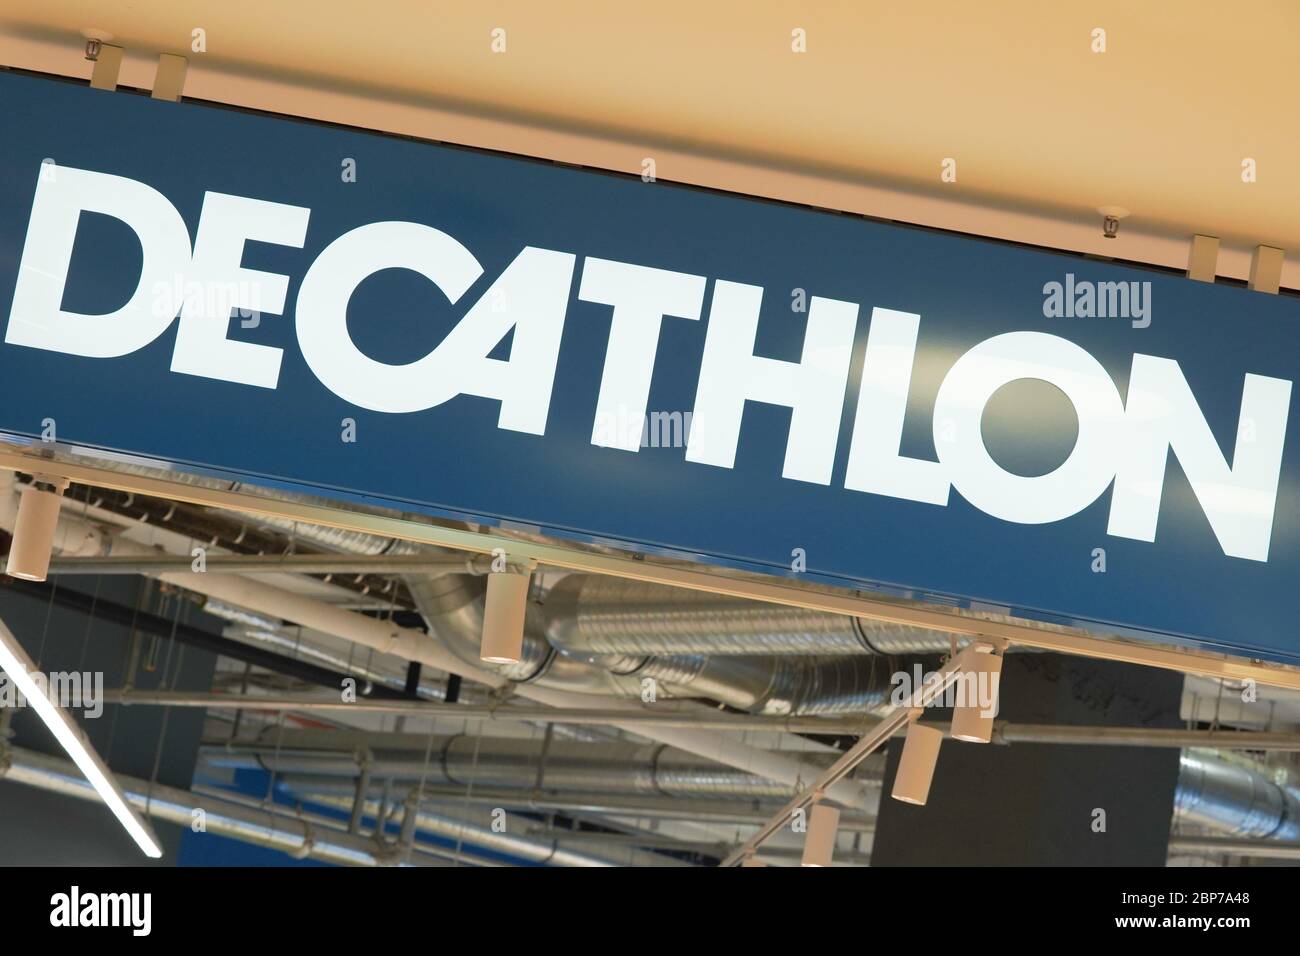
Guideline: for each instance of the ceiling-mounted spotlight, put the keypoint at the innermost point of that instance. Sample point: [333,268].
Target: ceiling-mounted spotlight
[916,766]
[819,842]
[503,616]
[33,539]
[972,718]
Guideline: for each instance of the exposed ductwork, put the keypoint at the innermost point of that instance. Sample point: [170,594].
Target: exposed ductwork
[594,614]
[1235,797]
[452,606]
[513,763]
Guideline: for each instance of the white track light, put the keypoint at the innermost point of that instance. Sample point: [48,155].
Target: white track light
[819,843]
[38,516]
[19,667]
[503,617]
[972,719]
[916,766]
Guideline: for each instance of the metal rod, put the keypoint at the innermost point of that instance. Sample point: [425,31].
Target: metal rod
[263,564]
[1145,737]
[702,810]
[141,621]
[301,834]
[663,714]
[1004,733]
[1271,849]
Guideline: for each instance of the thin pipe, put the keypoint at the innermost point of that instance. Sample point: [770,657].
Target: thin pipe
[667,715]
[306,834]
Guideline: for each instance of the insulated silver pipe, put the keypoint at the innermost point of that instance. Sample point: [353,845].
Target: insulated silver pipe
[452,606]
[1235,798]
[513,763]
[597,614]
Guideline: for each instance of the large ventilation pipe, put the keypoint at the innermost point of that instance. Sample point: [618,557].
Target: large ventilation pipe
[1235,797]
[595,614]
[452,606]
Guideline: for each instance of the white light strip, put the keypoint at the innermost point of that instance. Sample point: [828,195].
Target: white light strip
[19,667]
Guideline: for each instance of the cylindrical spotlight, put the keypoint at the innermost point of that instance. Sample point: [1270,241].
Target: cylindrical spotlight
[38,516]
[503,617]
[972,719]
[916,766]
[819,844]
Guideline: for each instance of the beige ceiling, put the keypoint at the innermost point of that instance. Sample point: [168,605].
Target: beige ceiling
[1159,123]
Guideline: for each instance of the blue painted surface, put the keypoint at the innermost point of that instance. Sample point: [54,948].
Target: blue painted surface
[452,460]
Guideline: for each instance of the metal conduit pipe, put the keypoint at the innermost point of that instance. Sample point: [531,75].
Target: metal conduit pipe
[702,811]
[512,763]
[474,827]
[1234,798]
[302,836]
[597,614]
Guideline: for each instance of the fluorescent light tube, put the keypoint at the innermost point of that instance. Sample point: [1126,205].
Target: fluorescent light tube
[15,662]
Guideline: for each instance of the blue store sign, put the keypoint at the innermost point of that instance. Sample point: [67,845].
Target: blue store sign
[673,369]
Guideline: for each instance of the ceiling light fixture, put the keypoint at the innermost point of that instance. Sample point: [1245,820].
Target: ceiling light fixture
[503,616]
[38,516]
[916,765]
[977,705]
[819,843]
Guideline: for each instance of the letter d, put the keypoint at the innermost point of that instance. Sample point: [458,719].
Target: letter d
[37,319]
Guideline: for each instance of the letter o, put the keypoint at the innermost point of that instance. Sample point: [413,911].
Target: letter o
[1081,478]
